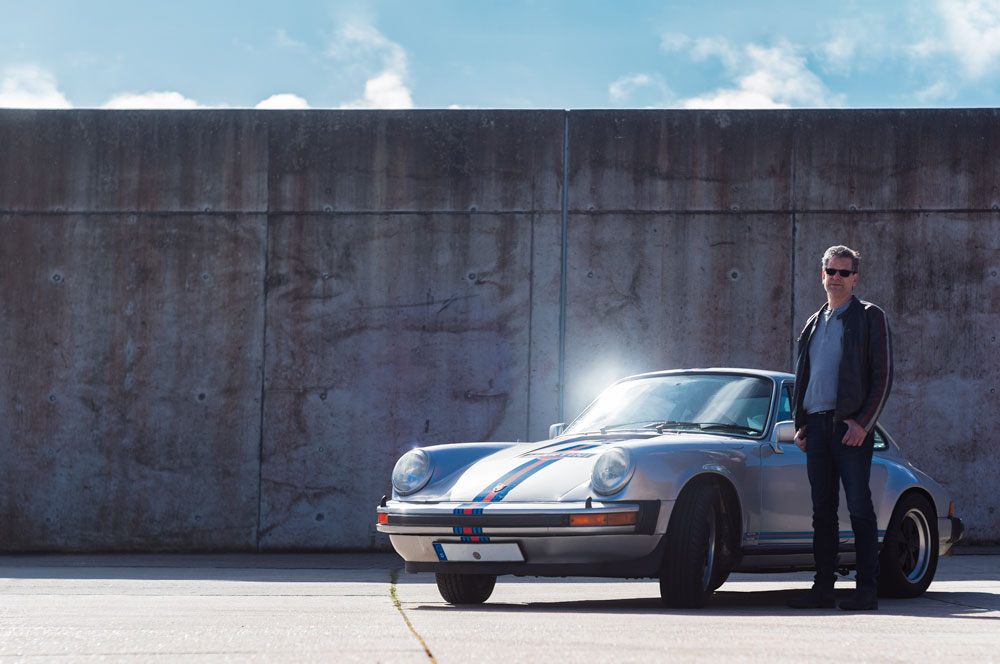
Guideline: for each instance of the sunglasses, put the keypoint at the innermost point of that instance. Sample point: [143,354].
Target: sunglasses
[844,273]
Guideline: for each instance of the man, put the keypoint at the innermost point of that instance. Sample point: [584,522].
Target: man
[843,374]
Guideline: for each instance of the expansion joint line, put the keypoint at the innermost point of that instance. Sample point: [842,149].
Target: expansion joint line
[393,574]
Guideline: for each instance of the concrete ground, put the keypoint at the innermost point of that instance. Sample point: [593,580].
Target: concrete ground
[364,608]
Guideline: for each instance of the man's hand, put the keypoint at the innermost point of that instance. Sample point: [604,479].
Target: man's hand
[800,439]
[855,436]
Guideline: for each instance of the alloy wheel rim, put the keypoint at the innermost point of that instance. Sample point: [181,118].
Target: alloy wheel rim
[914,545]
[706,577]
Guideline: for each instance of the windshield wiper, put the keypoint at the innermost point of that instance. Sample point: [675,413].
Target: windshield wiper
[671,424]
[718,426]
[704,426]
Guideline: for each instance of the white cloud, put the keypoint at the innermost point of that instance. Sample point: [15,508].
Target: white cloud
[715,47]
[383,91]
[674,42]
[30,86]
[283,101]
[763,77]
[867,41]
[284,41]
[733,98]
[361,44]
[971,34]
[151,100]
[841,50]
[936,92]
[622,89]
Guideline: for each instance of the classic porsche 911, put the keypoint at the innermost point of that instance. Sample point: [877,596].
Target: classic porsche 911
[684,476]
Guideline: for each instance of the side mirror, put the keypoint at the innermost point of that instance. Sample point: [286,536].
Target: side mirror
[784,432]
[556,429]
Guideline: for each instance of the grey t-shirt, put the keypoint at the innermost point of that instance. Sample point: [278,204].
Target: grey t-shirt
[824,361]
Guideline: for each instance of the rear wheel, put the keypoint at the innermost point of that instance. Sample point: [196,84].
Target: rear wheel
[465,588]
[690,570]
[910,551]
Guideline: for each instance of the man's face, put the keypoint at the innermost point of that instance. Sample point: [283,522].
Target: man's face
[839,288]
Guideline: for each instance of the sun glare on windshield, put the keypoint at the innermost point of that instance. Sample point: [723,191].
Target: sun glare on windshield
[707,402]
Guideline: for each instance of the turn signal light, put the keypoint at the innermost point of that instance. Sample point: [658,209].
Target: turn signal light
[951,509]
[613,519]
[383,518]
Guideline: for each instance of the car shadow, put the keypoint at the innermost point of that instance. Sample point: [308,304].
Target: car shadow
[767,602]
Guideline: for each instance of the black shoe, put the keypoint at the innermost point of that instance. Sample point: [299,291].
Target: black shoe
[816,598]
[863,600]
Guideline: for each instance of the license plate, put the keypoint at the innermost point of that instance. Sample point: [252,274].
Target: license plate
[506,552]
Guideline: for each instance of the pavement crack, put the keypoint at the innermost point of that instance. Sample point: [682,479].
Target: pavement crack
[394,575]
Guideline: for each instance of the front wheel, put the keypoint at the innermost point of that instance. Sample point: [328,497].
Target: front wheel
[910,551]
[691,562]
[465,588]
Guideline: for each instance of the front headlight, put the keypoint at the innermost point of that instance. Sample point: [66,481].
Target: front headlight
[411,472]
[612,471]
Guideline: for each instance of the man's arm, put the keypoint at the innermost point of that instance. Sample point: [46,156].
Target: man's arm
[880,368]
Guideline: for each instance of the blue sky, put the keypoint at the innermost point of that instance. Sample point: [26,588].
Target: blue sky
[491,54]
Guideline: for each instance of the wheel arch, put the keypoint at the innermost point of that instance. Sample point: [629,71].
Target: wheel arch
[919,491]
[732,510]
[923,492]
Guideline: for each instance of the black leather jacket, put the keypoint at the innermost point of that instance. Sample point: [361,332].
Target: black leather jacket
[865,376]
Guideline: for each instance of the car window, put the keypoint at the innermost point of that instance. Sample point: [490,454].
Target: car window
[880,442]
[785,403]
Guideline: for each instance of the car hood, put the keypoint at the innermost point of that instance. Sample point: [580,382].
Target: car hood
[551,469]
[543,471]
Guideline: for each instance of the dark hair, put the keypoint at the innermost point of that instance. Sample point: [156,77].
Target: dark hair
[840,251]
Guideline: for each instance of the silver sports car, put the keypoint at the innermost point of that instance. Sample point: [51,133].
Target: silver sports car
[684,476]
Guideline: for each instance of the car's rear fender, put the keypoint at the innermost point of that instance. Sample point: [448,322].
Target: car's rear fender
[902,479]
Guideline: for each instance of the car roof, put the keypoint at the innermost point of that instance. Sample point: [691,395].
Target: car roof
[763,373]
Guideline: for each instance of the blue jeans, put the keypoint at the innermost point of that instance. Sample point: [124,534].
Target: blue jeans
[829,463]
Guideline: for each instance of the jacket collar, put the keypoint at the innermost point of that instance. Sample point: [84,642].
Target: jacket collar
[850,305]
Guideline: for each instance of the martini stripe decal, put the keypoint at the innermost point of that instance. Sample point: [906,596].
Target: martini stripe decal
[512,479]
[500,488]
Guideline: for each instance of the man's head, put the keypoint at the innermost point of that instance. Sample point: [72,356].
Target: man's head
[840,274]
[840,251]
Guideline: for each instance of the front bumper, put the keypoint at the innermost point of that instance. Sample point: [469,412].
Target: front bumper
[543,533]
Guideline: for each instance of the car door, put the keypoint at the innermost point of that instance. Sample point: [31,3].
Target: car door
[786,500]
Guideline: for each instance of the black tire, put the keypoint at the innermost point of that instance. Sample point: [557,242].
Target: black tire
[690,571]
[719,578]
[909,554]
[465,588]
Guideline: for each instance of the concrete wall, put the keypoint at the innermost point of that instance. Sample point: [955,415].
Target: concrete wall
[219,329]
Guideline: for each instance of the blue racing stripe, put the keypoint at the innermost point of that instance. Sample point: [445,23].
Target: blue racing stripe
[512,479]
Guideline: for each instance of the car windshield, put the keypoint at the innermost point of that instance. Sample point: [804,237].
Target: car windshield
[696,402]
